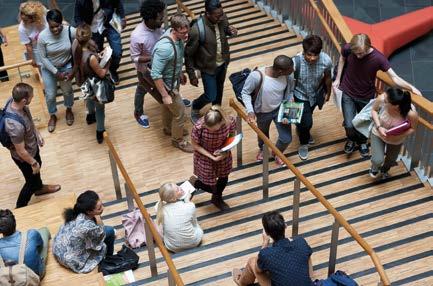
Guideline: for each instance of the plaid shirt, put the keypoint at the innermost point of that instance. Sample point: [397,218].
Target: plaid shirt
[310,76]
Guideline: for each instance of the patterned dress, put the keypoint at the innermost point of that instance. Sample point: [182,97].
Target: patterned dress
[79,244]
[207,170]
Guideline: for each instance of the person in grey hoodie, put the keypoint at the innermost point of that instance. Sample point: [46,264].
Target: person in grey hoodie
[276,86]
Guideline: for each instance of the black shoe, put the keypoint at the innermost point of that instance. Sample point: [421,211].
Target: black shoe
[100,136]
[115,77]
[349,146]
[90,118]
[363,149]
[219,203]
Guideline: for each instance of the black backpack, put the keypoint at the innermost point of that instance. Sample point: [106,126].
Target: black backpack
[5,139]
[238,81]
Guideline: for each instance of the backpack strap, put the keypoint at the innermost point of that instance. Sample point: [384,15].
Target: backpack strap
[13,116]
[201,30]
[174,61]
[259,86]
[22,247]
[298,68]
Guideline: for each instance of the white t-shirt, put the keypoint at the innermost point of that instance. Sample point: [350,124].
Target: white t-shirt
[272,92]
[98,19]
[29,35]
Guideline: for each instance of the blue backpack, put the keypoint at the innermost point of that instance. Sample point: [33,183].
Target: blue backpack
[5,139]
[339,278]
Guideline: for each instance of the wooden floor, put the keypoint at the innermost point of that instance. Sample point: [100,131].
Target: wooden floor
[394,215]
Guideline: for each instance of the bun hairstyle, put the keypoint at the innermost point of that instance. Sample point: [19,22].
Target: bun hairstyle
[166,194]
[214,116]
[402,98]
[7,223]
[86,202]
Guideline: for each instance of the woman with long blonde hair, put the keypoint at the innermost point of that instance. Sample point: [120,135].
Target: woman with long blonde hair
[32,21]
[211,166]
[177,219]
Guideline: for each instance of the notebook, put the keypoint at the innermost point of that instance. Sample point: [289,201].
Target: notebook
[399,129]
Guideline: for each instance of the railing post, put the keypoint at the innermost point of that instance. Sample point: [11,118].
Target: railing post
[129,198]
[333,248]
[265,171]
[115,175]
[170,278]
[239,146]
[151,251]
[296,200]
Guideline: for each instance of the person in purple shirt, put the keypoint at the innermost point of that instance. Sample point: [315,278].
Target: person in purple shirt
[287,262]
[35,255]
[361,62]
[143,39]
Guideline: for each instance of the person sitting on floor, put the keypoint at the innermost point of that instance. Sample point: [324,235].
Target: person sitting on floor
[177,218]
[286,263]
[35,255]
[83,241]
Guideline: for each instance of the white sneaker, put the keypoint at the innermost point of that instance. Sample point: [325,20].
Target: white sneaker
[303,152]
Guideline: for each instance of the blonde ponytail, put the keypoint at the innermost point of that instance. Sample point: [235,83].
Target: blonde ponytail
[166,195]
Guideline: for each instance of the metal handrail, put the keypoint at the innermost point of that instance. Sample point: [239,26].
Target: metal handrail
[14,66]
[173,276]
[337,216]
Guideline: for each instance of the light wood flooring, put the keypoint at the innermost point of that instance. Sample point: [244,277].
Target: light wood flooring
[393,215]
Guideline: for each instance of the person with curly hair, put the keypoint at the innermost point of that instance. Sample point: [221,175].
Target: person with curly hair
[32,23]
[143,39]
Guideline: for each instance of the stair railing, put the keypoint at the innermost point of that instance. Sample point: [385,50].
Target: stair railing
[339,220]
[322,17]
[182,7]
[152,234]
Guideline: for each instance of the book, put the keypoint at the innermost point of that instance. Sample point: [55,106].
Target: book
[231,142]
[187,189]
[119,279]
[290,112]
[399,129]
[116,23]
[107,52]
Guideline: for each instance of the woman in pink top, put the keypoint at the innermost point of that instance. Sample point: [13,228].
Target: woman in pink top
[390,109]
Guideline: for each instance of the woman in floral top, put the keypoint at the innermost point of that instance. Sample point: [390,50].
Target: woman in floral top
[82,242]
[211,166]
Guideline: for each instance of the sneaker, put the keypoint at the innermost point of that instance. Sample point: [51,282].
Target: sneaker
[195,115]
[52,123]
[363,149]
[374,173]
[279,161]
[183,145]
[259,156]
[143,120]
[115,77]
[349,146]
[186,102]
[69,116]
[90,118]
[311,141]
[385,175]
[303,152]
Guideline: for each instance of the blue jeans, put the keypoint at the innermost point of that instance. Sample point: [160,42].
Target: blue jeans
[50,82]
[114,40]
[94,107]
[264,121]
[213,88]
[352,106]
[109,239]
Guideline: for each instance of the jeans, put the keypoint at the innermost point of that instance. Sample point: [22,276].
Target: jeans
[140,91]
[383,155]
[303,128]
[33,181]
[114,40]
[94,107]
[264,121]
[173,117]
[50,82]
[109,239]
[352,106]
[213,88]
[45,235]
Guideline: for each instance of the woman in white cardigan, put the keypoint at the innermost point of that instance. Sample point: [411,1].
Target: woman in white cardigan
[177,218]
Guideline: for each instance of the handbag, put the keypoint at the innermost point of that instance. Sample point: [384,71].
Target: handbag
[101,89]
[362,121]
[148,82]
[124,260]
[339,278]
[135,232]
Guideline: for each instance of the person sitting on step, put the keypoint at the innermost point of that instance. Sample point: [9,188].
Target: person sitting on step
[83,241]
[287,262]
[35,255]
[274,85]
[177,219]
[390,110]
[211,166]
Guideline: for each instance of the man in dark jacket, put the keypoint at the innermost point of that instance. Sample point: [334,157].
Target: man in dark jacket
[209,54]
[98,14]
